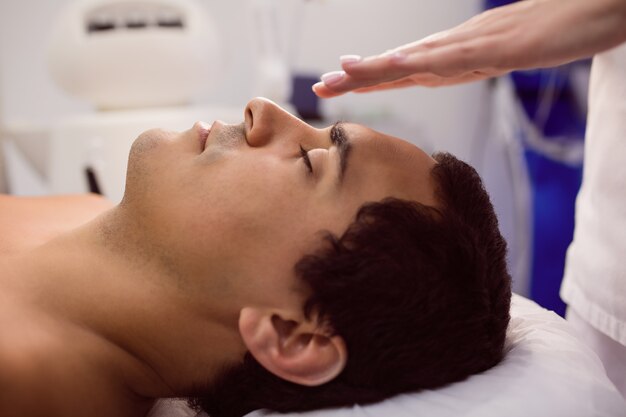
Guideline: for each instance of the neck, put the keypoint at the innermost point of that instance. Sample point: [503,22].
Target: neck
[159,338]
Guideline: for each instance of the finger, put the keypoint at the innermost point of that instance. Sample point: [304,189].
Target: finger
[379,68]
[402,83]
[455,60]
[434,41]
[338,82]
[322,91]
[457,34]
[423,80]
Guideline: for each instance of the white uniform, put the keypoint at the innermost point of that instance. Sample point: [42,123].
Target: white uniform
[594,286]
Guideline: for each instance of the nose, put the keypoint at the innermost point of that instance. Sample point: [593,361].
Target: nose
[266,122]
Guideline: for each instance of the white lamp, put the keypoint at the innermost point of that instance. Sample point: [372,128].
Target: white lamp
[120,54]
[143,61]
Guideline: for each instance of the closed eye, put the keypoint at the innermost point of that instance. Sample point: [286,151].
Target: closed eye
[305,156]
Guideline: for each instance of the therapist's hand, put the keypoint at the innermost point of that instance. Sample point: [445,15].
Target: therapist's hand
[528,34]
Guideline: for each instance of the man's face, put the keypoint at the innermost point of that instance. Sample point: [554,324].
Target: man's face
[244,203]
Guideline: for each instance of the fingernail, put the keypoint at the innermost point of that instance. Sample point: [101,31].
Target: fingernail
[317,85]
[333,77]
[350,59]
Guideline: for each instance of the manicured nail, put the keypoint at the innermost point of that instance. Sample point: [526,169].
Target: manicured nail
[317,85]
[350,59]
[333,77]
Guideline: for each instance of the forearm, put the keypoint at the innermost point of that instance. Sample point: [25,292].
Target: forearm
[580,28]
[545,33]
[615,11]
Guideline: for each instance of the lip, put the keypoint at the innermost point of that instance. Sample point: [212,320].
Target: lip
[202,129]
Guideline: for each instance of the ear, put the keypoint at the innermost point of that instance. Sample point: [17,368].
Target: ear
[301,351]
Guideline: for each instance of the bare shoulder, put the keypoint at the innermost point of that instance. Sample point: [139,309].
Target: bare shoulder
[83,205]
[30,221]
[22,364]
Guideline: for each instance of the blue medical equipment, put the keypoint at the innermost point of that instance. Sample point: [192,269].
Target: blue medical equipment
[554,101]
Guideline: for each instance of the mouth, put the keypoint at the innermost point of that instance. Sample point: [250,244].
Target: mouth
[203,129]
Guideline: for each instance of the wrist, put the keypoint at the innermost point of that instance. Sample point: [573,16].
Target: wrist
[615,12]
[603,23]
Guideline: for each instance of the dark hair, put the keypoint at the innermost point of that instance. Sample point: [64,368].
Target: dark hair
[420,295]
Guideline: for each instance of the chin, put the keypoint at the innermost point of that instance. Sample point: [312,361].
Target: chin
[138,173]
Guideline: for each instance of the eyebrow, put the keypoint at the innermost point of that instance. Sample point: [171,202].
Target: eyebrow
[340,139]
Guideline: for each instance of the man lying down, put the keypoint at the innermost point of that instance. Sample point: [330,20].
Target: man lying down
[262,265]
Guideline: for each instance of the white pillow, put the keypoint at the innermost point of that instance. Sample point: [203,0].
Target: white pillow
[547,371]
